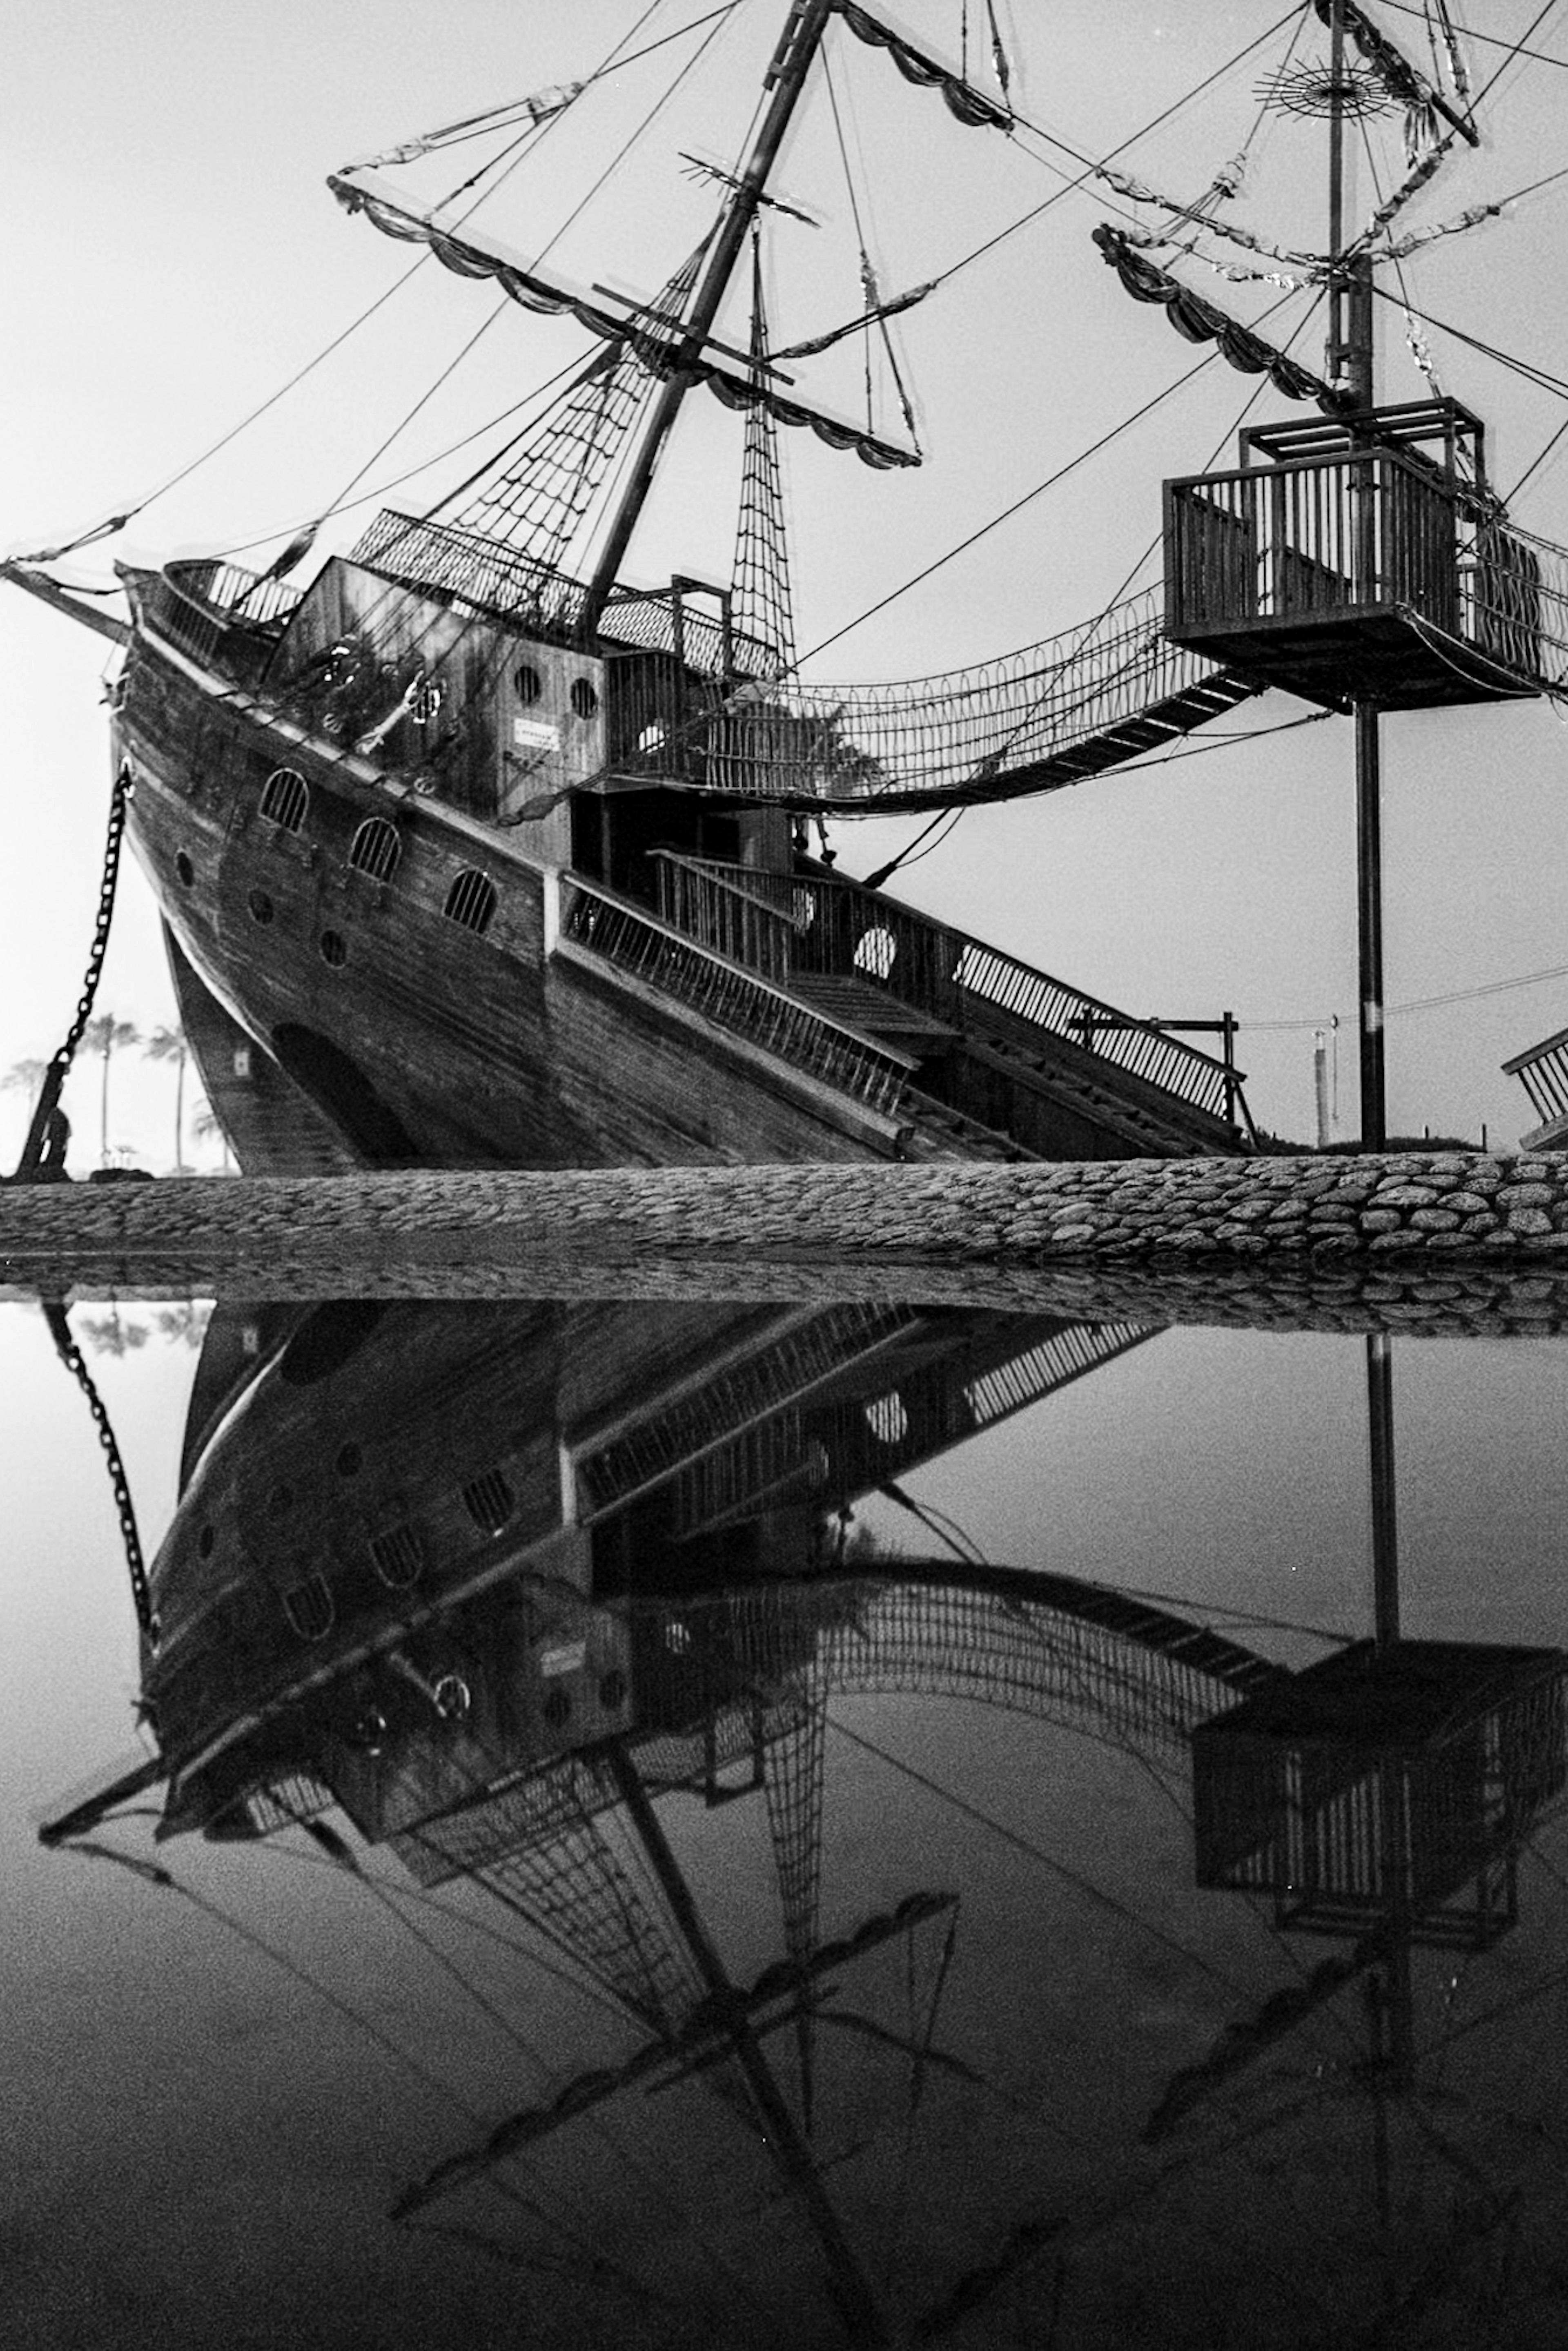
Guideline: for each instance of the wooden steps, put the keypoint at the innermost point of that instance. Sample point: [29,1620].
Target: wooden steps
[1129,739]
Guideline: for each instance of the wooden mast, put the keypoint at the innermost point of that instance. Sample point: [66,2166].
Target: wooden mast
[786,78]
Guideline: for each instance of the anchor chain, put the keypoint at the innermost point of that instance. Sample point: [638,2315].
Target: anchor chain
[44,1152]
[75,1362]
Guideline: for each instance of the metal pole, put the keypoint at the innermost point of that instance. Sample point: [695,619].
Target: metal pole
[1385,1512]
[1369,925]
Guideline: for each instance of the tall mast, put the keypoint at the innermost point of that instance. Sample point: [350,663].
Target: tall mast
[1349,361]
[786,78]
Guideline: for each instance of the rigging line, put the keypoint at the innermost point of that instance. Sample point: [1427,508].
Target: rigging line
[1493,41]
[1525,368]
[1088,168]
[396,481]
[283,390]
[1536,462]
[454,1913]
[521,144]
[1008,513]
[1515,50]
[1006,516]
[1073,1878]
[633,136]
[1469,994]
[423,401]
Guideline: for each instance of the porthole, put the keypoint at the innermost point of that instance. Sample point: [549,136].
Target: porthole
[584,696]
[285,798]
[334,948]
[874,953]
[527,683]
[260,904]
[888,1419]
[471,901]
[558,1708]
[376,849]
[184,868]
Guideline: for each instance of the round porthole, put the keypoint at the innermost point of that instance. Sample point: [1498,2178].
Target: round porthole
[260,906]
[334,948]
[874,953]
[584,696]
[527,683]
[886,1418]
[184,868]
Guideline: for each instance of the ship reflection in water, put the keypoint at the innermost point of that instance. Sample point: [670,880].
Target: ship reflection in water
[785,1940]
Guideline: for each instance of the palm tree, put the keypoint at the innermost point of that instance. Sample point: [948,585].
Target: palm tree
[169,1045]
[187,1321]
[111,1336]
[207,1123]
[105,1034]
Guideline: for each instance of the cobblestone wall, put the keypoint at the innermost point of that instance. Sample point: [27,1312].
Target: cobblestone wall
[1433,1240]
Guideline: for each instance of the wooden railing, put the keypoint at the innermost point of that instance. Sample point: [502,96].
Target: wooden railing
[218,614]
[1543,1072]
[797,926]
[1364,529]
[733,997]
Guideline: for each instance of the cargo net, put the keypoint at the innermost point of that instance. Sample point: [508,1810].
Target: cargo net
[549,1847]
[1025,722]
[537,503]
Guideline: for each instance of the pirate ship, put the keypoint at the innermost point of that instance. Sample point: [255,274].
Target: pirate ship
[472,851]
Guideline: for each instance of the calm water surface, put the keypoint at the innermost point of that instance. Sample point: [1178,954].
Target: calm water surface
[709,1824]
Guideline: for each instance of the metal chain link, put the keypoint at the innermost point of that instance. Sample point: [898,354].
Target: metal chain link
[118,806]
[71,1356]
[34,1151]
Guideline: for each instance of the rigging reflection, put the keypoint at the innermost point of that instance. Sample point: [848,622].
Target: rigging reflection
[567,1604]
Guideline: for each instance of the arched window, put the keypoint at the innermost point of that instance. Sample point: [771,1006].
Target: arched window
[398,1557]
[308,1608]
[285,798]
[376,849]
[471,901]
[489,1501]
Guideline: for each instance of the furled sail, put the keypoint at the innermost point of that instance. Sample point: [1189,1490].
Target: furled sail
[657,343]
[1201,322]
[962,100]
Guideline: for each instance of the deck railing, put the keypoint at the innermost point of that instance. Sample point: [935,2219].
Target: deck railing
[1543,1072]
[1362,531]
[217,613]
[798,926]
[732,996]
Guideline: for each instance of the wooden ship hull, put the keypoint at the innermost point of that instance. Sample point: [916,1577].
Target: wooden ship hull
[555,960]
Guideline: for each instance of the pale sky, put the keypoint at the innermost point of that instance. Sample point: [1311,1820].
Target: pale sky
[172,257]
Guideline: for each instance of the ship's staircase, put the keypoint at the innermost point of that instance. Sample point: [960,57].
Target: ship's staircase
[973,1053]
